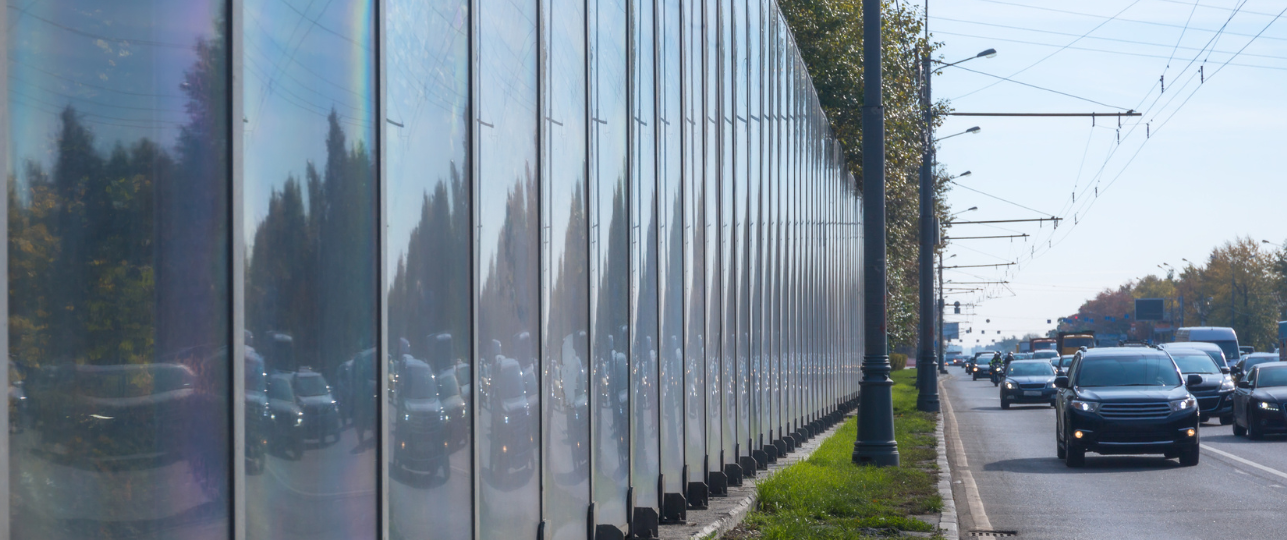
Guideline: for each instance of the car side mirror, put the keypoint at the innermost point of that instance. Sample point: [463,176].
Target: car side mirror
[1225,370]
[1193,380]
[1244,384]
[1061,381]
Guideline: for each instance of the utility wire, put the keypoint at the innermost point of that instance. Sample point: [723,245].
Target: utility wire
[1120,19]
[958,184]
[1057,51]
[1007,79]
[1087,49]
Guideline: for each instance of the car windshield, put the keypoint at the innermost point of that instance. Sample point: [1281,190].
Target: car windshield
[1230,348]
[1254,361]
[420,383]
[1195,363]
[1044,346]
[280,389]
[1128,371]
[1045,354]
[310,385]
[447,384]
[1031,369]
[1271,377]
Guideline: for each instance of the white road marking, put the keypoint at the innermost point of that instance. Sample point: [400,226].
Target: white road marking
[1246,462]
[961,466]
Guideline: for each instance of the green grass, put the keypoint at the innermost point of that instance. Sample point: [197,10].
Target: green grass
[828,497]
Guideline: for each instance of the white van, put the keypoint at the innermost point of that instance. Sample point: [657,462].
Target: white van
[1223,336]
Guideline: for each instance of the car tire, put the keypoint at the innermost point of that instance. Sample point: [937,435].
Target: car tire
[1052,404]
[1076,456]
[1239,431]
[1189,456]
[1005,404]
[1060,452]
[1252,432]
[1226,420]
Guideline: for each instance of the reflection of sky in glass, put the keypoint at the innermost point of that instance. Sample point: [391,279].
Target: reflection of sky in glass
[301,61]
[117,67]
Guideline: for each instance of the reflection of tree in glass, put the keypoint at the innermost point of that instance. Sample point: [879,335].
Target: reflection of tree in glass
[311,273]
[430,290]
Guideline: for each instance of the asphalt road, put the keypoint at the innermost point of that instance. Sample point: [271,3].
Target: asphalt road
[1005,477]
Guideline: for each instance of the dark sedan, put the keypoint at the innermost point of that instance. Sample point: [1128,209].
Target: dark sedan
[1028,381]
[1126,401]
[1244,364]
[1215,392]
[1260,400]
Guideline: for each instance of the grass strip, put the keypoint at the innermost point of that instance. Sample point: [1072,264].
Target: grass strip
[828,497]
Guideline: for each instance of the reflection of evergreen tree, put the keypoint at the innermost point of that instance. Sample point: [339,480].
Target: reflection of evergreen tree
[311,272]
[509,296]
[430,290]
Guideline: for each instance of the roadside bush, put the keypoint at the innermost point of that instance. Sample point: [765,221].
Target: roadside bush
[897,361]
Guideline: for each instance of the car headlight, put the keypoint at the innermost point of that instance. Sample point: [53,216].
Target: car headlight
[1226,385]
[1185,404]
[1009,385]
[1085,406]
[1267,406]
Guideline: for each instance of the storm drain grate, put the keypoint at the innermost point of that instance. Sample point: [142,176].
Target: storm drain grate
[994,534]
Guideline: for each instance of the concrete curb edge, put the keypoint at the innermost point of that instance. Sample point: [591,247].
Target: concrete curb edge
[948,523]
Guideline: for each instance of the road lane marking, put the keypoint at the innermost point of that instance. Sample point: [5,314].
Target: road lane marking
[1246,462]
[978,517]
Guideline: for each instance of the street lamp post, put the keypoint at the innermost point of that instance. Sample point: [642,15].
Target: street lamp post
[926,359]
[875,444]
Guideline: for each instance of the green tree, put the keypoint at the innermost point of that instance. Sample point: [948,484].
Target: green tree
[827,34]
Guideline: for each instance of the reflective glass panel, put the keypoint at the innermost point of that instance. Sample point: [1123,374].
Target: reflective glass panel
[670,244]
[644,434]
[118,227]
[427,262]
[694,244]
[711,245]
[741,304]
[728,266]
[609,260]
[565,275]
[508,271]
[310,230]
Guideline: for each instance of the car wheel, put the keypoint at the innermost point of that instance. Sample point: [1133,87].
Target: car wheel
[1226,420]
[1052,404]
[1189,456]
[1059,449]
[1239,431]
[1076,456]
[1005,404]
[1252,432]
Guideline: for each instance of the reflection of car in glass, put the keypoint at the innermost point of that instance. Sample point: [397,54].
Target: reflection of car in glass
[118,414]
[1028,381]
[1260,400]
[513,437]
[455,409]
[1061,366]
[302,408]
[1215,392]
[1125,401]
[258,414]
[420,441]
[18,417]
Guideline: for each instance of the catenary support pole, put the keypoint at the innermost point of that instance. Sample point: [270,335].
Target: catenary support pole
[942,343]
[875,444]
[926,359]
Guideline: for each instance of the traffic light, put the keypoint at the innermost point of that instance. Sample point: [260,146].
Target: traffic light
[957,306]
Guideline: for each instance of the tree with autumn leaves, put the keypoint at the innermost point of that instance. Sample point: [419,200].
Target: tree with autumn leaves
[1242,285]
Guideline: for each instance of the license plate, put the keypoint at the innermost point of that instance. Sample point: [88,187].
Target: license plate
[1032,393]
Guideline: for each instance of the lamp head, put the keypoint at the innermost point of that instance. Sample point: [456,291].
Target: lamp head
[967,173]
[974,129]
[990,53]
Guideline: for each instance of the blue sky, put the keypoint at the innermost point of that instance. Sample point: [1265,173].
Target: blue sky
[1200,167]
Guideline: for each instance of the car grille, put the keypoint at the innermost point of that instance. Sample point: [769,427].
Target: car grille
[1134,410]
[1032,386]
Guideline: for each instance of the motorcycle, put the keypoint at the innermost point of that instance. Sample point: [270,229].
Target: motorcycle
[995,371]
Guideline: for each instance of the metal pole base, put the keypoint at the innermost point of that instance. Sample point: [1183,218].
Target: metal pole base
[876,444]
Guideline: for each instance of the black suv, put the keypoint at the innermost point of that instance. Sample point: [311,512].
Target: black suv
[1126,401]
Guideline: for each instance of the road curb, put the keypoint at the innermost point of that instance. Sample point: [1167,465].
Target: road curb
[947,523]
[729,512]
